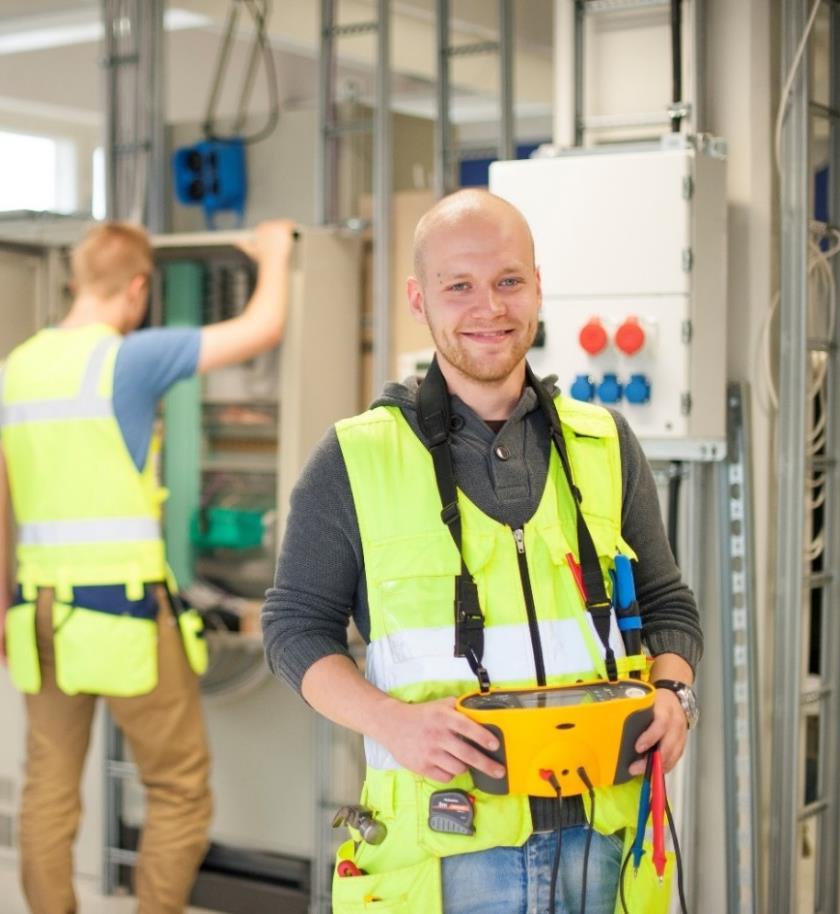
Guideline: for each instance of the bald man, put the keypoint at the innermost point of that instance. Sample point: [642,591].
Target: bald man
[374,534]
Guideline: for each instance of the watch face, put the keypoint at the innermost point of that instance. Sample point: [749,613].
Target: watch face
[688,700]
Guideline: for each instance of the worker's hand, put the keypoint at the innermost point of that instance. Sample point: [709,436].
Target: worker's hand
[271,241]
[430,739]
[669,729]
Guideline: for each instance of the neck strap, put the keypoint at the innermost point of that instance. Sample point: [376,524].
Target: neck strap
[434,419]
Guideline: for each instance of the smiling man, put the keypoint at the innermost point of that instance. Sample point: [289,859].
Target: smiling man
[463,461]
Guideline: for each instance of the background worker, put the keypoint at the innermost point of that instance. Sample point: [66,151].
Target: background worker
[90,614]
[365,538]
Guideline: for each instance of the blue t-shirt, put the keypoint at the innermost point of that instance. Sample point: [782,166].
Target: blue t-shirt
[148,364]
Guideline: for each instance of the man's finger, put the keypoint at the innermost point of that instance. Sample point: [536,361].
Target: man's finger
[474,732]
[474,757]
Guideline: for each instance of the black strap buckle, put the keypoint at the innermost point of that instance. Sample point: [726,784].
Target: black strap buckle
[478,668]
[450,513]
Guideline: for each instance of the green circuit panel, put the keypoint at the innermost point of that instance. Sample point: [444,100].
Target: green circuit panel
[183,294]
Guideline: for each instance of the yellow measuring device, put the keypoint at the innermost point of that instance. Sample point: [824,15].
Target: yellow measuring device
[560,729]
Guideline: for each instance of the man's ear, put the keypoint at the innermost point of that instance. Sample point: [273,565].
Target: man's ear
[416,304]
[139,285]
[539,285]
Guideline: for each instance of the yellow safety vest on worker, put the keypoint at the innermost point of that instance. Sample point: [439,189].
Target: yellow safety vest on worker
[85,517]
[410,566]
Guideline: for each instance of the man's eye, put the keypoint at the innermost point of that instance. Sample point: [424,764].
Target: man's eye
[458,287]
[511,281]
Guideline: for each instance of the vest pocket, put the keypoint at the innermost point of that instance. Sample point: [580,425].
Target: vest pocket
[498,820]
[22,648]
[412,889]
[103,653]
[191,626]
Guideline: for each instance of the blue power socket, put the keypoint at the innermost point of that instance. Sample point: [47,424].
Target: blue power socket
[212,174]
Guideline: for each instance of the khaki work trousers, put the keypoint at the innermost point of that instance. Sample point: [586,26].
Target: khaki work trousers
[165,730]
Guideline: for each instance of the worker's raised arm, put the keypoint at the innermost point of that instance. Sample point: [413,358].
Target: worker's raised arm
[260,326]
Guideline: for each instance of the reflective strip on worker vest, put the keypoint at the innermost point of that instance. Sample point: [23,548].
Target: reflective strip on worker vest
[413,656]
[56,410]
[88,530]
[87,404]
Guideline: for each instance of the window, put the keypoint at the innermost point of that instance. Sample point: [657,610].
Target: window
[37,173]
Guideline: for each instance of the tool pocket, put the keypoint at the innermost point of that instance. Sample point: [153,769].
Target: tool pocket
[22,648]
[103,653]
[498,820]
[412,889]
[643,892]
[191,626]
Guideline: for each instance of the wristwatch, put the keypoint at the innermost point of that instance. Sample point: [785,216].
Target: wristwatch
[687,697]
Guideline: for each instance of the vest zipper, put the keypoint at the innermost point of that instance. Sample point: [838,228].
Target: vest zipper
[536,644]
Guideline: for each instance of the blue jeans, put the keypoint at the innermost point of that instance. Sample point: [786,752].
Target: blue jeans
[517,880]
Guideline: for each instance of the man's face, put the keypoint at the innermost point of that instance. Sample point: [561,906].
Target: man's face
[480,294]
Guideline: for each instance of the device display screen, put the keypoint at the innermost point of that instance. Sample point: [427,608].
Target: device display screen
[552,698]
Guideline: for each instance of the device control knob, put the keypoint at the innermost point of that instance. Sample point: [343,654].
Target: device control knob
[593,336]
[637,389]
[582,388]
[610,390]
[630,336]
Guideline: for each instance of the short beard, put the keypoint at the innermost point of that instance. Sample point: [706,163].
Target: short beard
[474,368]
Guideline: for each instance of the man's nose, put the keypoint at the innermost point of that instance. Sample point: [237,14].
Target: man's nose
[491,300]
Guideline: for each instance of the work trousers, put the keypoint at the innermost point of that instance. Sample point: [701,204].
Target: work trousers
[165,730]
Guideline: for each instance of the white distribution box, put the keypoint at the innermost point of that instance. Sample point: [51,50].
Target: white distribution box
[631,246]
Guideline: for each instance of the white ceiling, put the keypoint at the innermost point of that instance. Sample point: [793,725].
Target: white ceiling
[65,80]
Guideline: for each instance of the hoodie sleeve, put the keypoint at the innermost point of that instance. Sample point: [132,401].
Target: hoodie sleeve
[671,622]
[306,613]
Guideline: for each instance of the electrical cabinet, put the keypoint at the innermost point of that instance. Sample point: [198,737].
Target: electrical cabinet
[235,442]
[631,246]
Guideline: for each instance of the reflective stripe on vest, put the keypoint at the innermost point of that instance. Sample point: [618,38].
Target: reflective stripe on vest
[88,530]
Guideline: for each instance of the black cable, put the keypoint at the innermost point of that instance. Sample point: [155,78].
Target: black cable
[551,777]
[676,61]
[674,482]
[555,871]
[621,875]
[678,855]
[591,790]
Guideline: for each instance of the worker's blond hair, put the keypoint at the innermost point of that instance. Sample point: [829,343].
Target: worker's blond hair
[109,256]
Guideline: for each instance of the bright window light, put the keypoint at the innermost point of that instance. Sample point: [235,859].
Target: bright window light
[29,172]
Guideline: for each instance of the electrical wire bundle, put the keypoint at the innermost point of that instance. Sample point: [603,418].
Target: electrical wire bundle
[659,807]
[823,245]
[259,11]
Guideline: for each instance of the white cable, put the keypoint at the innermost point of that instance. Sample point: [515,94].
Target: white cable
[818,264]
[785,97]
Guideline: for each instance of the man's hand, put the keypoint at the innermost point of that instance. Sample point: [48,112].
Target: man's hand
[260,326]
[430,739]
[669,729]
[272,240]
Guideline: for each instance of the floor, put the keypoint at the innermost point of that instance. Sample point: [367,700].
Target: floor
[90,900]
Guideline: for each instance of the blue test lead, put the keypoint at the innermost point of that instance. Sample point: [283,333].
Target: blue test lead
[638,848]
[626,607]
